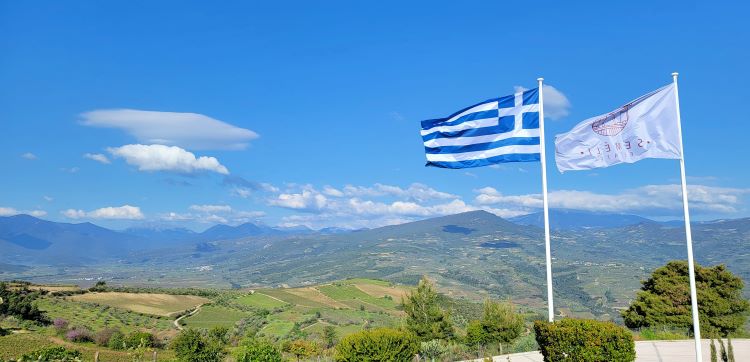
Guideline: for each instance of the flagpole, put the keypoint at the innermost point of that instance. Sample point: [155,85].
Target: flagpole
[550,307]
[691,268]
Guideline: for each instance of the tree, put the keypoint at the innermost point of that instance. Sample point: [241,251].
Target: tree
[20,303]
[475,335]
[100,286]
[257,350]
[330,336]
[191,346]
[500,322]
[425,319]
[664,300]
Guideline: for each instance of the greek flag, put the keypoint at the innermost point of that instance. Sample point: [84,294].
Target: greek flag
[497,130]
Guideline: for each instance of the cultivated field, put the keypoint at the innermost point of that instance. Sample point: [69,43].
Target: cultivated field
[147,303]
[347,305]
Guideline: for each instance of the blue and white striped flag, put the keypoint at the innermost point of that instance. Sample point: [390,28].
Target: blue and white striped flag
[497,130]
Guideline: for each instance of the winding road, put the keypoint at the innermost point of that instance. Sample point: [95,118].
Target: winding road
[177,321]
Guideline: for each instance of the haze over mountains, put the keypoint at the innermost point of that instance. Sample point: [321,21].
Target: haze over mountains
[599,258]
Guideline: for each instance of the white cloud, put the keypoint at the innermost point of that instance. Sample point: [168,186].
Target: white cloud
[242,192]
[223,214]
[73,214]
[166,158]
[649,200]
[416,191]
[371,206]
[331,191]
[70,170]
[556,104]
[186,130]
[8,211]
[98,157]
[125,212]
[305,200]
[29,156]
[211,208]
[48,198]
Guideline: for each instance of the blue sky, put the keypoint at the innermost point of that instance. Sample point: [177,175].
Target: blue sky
[191,113]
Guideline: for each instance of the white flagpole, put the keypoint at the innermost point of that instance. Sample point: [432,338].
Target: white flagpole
[693,293]
[550,308]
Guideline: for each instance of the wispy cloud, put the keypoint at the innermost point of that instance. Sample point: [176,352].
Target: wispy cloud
[166,158]
[29,156]
[125,212]
[222,214]
[98,157]
[649,200]
[186,130]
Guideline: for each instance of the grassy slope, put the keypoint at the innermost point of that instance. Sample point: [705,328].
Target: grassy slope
[147,303]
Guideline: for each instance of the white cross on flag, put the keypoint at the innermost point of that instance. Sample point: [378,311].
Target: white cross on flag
[644,128]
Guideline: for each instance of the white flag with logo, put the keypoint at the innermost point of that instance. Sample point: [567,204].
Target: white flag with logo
[644,128]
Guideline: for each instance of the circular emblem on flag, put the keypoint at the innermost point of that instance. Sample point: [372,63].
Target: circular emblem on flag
[613,123]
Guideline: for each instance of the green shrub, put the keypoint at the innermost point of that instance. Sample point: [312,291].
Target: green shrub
[257,350]
[140,340]
[382,344]
[192,346]
[301,348]
[433,349]
[475,334]
[584,340]
[117,341]
[52,354]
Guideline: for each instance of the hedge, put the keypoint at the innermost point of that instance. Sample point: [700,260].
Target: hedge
[584,340]
[382,344]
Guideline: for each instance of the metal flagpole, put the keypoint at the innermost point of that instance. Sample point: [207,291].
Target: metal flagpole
[693,293]
[550,308]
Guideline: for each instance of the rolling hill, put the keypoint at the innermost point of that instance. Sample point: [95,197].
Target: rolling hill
[470,255]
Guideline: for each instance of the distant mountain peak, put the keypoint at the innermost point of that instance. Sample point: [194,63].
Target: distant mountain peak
[581,219]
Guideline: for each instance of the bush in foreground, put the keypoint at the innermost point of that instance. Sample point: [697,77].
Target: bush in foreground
[192,346]
[584,340]
[257,350]
[382,344]
[52,354]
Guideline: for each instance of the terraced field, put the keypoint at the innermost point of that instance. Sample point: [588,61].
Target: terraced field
[347,305]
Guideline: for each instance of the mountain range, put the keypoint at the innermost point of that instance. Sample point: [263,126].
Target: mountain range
[597,268]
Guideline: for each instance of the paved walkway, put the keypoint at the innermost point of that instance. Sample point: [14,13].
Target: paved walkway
[654,351]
